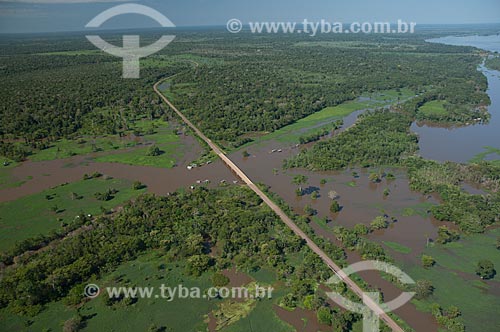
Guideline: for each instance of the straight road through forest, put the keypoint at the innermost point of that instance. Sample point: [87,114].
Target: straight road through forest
[374,306]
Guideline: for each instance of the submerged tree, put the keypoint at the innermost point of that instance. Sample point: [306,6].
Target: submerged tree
[423,289]
[428,261]
[299,180]
[154,151]
[485,269]
[335,207]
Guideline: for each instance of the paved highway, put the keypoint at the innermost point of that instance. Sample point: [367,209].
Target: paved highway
[331,264]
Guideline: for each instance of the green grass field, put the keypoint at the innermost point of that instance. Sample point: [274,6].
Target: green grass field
[65,148]
[32,215]
[397,247]
[420,209]
[435,107]
[321,222]
[455,281]
[149,270]
[489,151]
[140,157]
[264,275]
[177,315]
[50,319]
[164,138]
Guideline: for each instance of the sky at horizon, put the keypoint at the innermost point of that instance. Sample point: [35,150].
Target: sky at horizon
[72,15]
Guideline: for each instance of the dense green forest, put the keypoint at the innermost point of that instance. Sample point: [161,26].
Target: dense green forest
[493,63]
[83,97]
[379,137]
[263,84]
[472,213]
[62,88]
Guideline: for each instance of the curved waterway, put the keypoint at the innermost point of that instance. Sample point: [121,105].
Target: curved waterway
[464,143]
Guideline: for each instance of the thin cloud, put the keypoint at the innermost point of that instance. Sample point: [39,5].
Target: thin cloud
[13,12]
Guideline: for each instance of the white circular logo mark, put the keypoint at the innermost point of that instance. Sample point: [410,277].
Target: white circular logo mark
[234,25]
[131,51]
[91,291]
[371,319]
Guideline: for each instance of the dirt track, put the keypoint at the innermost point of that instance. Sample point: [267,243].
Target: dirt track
[331,264]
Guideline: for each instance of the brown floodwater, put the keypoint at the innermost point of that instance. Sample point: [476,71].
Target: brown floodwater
[237,278]
[418,320]
[47,174]
[360,204]
[301,319]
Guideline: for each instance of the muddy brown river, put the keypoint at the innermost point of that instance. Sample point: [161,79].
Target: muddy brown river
[360,204]
[47,174]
